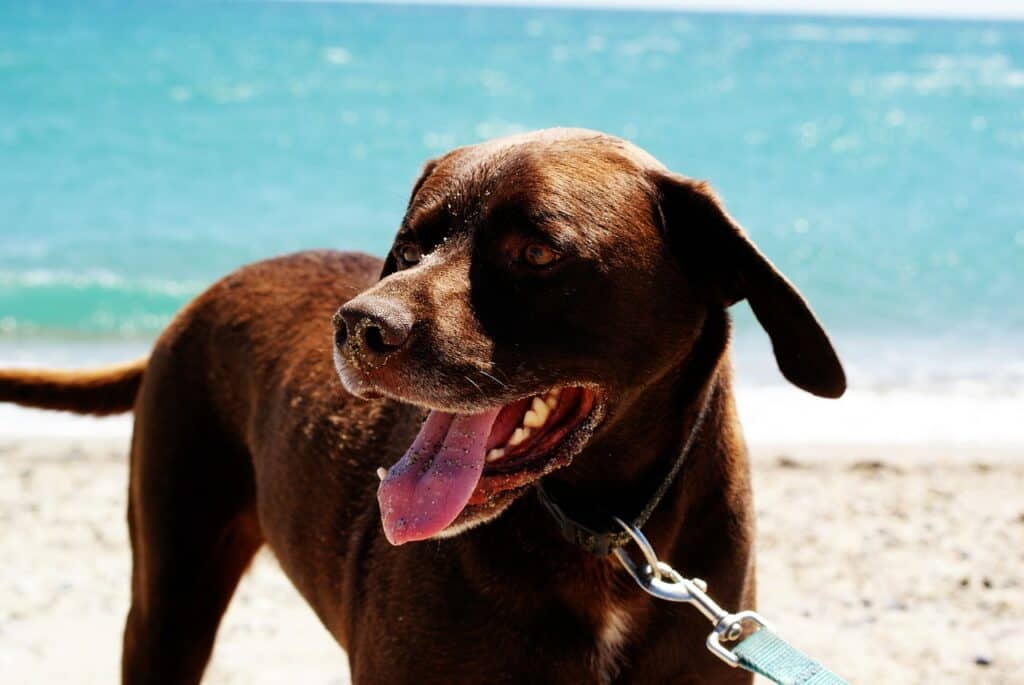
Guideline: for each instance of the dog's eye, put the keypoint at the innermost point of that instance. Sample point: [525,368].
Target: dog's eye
[536,254]
[410,254]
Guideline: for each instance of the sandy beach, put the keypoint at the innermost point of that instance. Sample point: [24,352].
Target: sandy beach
[893,564]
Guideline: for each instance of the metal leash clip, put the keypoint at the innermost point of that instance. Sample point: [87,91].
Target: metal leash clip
[660,580]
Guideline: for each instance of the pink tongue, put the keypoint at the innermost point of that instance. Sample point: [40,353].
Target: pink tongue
[429,487]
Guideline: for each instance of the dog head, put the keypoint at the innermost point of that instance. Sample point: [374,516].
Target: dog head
[536,283]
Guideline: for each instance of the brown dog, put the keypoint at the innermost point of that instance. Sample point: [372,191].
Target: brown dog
[557,300]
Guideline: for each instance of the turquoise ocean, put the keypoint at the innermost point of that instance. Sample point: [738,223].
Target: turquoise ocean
[148,148]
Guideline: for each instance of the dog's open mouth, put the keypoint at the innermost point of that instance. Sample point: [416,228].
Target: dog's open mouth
[458,460]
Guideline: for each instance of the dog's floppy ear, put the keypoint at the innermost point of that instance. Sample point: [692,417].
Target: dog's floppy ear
[390,264]
[716,251]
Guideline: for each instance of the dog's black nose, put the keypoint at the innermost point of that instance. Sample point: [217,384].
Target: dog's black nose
[371,328]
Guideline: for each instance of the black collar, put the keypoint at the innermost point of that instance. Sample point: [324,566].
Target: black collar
[595,530]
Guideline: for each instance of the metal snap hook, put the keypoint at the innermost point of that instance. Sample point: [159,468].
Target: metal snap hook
[645,548]
[660,580]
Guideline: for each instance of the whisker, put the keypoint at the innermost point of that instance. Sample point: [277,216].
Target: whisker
[501,383]
[477,386]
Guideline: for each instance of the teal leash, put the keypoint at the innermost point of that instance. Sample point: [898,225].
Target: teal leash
[761,651]
[769,655]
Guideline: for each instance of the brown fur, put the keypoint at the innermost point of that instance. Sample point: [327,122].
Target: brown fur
[100,391]
[244,437]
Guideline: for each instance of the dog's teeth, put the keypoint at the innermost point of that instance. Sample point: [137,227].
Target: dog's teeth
[537,414]
[520,435]
[540,409]
[551,399]
[495,454]
[382,473]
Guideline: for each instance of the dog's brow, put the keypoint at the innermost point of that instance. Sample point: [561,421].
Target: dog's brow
[552,224]
[550,217]
[523,212]
[559,226]
[423,218]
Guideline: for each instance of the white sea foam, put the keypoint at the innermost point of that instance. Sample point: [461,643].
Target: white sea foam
[337,55]
[825,33]
[952,413]
[964,72]
[17,423]
[777,415]
[783,415]
[96,278]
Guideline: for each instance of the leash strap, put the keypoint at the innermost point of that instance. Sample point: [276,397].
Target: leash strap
[766,654]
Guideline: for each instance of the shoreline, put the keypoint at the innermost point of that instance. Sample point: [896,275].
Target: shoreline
[950,399]
[926,424]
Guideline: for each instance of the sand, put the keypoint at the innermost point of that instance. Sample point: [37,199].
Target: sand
[894,564]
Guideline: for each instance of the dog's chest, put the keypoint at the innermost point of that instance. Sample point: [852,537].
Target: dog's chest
[612,636]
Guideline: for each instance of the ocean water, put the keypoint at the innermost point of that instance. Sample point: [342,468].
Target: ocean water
[148,148]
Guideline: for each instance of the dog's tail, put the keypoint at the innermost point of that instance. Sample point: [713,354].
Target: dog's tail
[100,391]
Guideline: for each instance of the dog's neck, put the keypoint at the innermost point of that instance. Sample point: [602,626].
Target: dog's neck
[623,466]
[626,463]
